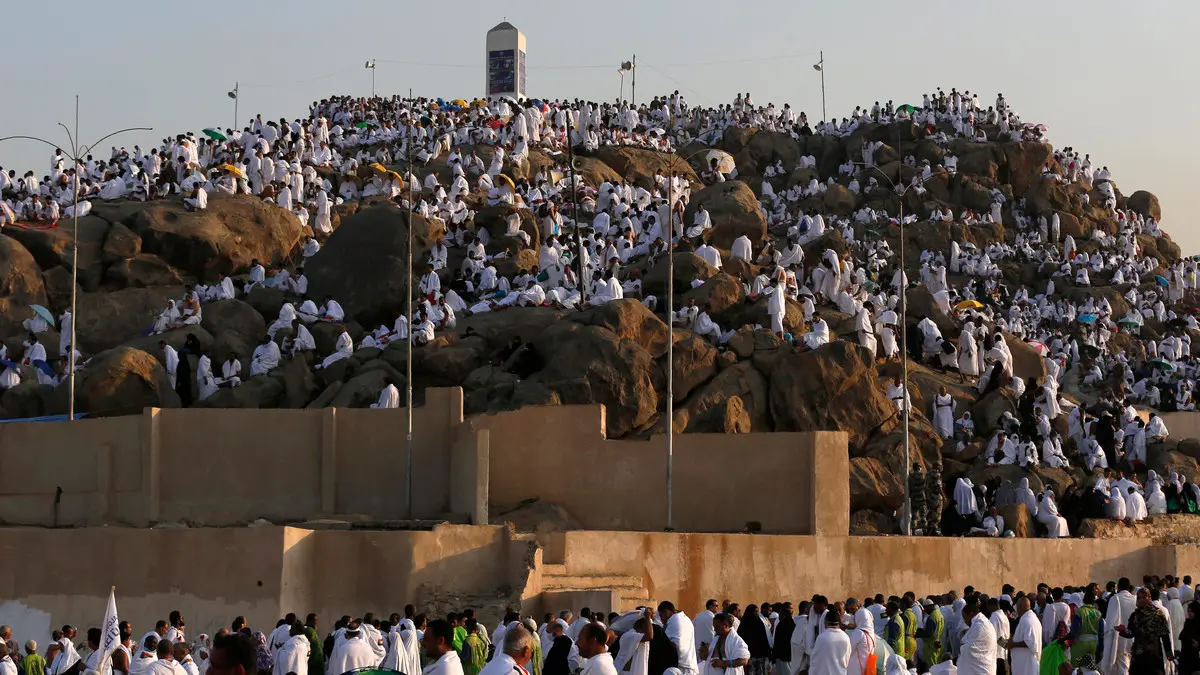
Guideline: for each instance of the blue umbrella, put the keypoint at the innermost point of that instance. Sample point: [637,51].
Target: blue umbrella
[44,313]
[1087,318]
[8,364]
[1162,281]
[44,367]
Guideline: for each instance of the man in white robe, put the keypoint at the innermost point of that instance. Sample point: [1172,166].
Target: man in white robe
[170,360]
[292,656]
[352,652]
[1025,648]
[266,357]
[389,397]
[681,632]
[1117,649]
[819,333]
[977,650]
[832,649]
[343,349]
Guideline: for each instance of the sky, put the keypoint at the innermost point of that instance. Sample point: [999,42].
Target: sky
[1113,79]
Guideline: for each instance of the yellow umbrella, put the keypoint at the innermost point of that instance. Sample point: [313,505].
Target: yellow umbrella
[397,176]
[479,103]
[379,167]
[233,170]
[459,102]
[725,163]
[969,304]
[501,178]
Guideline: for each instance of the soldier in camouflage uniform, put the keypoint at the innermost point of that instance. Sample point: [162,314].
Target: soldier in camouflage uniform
[916,498]
[933,501]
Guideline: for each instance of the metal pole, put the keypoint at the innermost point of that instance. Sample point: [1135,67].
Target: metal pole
[670,351]
[74,268]
[372,78]
[579,281]
[904,367]
[237,95]
[633,91]
[823,117]
[408,452]
[622,94]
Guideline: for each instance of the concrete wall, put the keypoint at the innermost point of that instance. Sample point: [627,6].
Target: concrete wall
[56,576]
[52,577]
[690,568]
[559,454]
[221,467]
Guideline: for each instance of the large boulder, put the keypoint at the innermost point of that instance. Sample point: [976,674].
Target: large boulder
[1024,162]
[708,403]
[874,486]
[1027,362]
[630,319]
[591,364]
[687,266]
[721,292]
[104,320]
[1017,518]
[121,381]
[833,388]
[224,316]
[694,363]
[364,265]
[28,399]
[839,199]
[264,391]
[733,210]
[121,243]
[55,246]
[638,166]
[494,219]
[223,238]
[21,285]
[766,147]
[142,271]
[1145,203]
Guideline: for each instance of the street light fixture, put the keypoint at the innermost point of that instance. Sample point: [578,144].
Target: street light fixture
[233,94]
[78,151]
[370,65]
[819,66]
[626,66]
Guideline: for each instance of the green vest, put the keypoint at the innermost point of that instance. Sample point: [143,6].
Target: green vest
[1089,620]
[910,634]
[893,634]
[936,654]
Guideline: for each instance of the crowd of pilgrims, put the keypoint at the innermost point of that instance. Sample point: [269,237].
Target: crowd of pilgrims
[341,152]
[1119,629]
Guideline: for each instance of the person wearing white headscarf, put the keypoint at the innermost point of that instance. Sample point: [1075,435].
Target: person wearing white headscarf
[964,497]
[1175,611]
[1056,525]
[1135,505]
[1116,504]
[1025,496]
[896,665]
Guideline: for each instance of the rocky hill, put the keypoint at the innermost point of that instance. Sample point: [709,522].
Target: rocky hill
[133,257]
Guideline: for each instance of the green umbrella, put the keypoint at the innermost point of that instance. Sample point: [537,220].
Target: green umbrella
[1129,323]
[910,109]
[215,135]
[1160,364]
[364,125]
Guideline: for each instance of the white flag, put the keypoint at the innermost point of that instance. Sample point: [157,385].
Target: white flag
[110,638]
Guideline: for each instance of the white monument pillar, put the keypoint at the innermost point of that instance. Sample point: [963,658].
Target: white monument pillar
[504,67]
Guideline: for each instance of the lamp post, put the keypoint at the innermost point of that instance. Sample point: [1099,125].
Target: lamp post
[819,66]
[408,447]
[580,281]
[78,151]
[370,65]
[234,94]
[903,324]
[626,66]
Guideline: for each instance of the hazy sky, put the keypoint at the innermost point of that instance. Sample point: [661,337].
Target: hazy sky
[1113,79]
